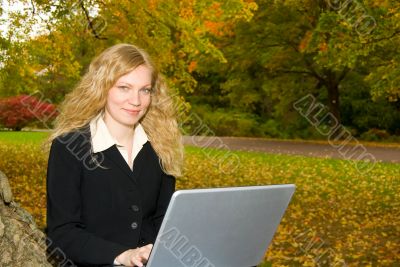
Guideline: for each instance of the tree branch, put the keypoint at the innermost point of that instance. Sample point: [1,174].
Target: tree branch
[309,73]
[313,71]
[343,74]
[33,8]
[384,38]
[90,23]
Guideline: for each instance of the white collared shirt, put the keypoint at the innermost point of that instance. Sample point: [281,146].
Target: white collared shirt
[102,139]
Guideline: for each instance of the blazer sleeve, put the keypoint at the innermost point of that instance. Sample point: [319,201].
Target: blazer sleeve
[166,191]
[65,229]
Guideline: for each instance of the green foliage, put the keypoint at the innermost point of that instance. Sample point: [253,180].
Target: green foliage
[383,46]
[220,122]
[329,49]
[363,113]
[251,57]
[375,135]
[175,33]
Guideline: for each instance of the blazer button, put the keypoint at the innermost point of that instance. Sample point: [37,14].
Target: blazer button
[135,208]
[134,225]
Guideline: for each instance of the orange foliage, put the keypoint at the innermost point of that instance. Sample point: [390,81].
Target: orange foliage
[216,28]
[152,4]
[192,66]
[304,42]
[186,10]
[216,8]
[215,24]
[323,47]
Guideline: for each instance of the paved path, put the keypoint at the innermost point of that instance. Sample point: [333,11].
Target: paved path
[384,154]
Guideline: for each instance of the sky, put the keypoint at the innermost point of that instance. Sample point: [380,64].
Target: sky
[4,23]
[17,6]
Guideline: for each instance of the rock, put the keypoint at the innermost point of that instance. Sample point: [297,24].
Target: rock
[5,189]
[22,243]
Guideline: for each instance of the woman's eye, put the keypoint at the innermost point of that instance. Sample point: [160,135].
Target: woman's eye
[146,90]
[123,88]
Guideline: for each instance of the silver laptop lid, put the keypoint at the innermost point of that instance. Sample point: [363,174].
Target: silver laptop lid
[220,227]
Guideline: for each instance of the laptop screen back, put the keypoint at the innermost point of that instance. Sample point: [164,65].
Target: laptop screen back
[218,227]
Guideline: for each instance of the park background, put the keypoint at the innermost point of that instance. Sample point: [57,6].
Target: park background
[271,69]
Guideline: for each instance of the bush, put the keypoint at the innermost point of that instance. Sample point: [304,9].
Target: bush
[220,122]
[18,111]
[375,135]
[271,128]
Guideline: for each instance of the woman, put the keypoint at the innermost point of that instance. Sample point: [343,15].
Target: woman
[115,151]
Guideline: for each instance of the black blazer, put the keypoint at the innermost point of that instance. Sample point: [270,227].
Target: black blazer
[97,207]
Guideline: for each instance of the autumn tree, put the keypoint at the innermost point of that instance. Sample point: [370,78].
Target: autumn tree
[240,59]
[175,33]
[330,49]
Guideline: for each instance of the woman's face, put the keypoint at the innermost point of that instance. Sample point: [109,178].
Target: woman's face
[129,98]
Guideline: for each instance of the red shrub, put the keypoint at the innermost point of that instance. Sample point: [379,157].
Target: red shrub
[18,111]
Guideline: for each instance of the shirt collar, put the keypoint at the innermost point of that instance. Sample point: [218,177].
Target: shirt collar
[102,139]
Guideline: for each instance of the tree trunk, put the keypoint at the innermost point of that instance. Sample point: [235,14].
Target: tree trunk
[333,99]
[21,242]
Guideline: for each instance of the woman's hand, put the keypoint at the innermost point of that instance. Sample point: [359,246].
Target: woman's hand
[135,257]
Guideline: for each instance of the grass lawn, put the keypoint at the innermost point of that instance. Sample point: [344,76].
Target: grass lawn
[338,216]
[23,137]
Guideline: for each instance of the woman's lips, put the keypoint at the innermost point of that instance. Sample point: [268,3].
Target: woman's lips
[132,111]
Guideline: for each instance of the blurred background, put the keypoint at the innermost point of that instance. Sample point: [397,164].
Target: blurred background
[276,69]
[239,64]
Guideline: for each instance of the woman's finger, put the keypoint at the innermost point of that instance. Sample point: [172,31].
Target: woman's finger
[146,249]
[144,255]
[136,262]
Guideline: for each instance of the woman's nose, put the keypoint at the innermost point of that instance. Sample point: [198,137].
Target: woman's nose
[134,99]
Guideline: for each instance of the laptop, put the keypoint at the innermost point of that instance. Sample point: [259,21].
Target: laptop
[219,227]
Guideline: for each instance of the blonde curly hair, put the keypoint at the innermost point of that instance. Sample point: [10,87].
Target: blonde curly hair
[90,95]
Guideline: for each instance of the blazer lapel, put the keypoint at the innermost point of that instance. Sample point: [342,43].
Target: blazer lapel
[115,156]
[139,161]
